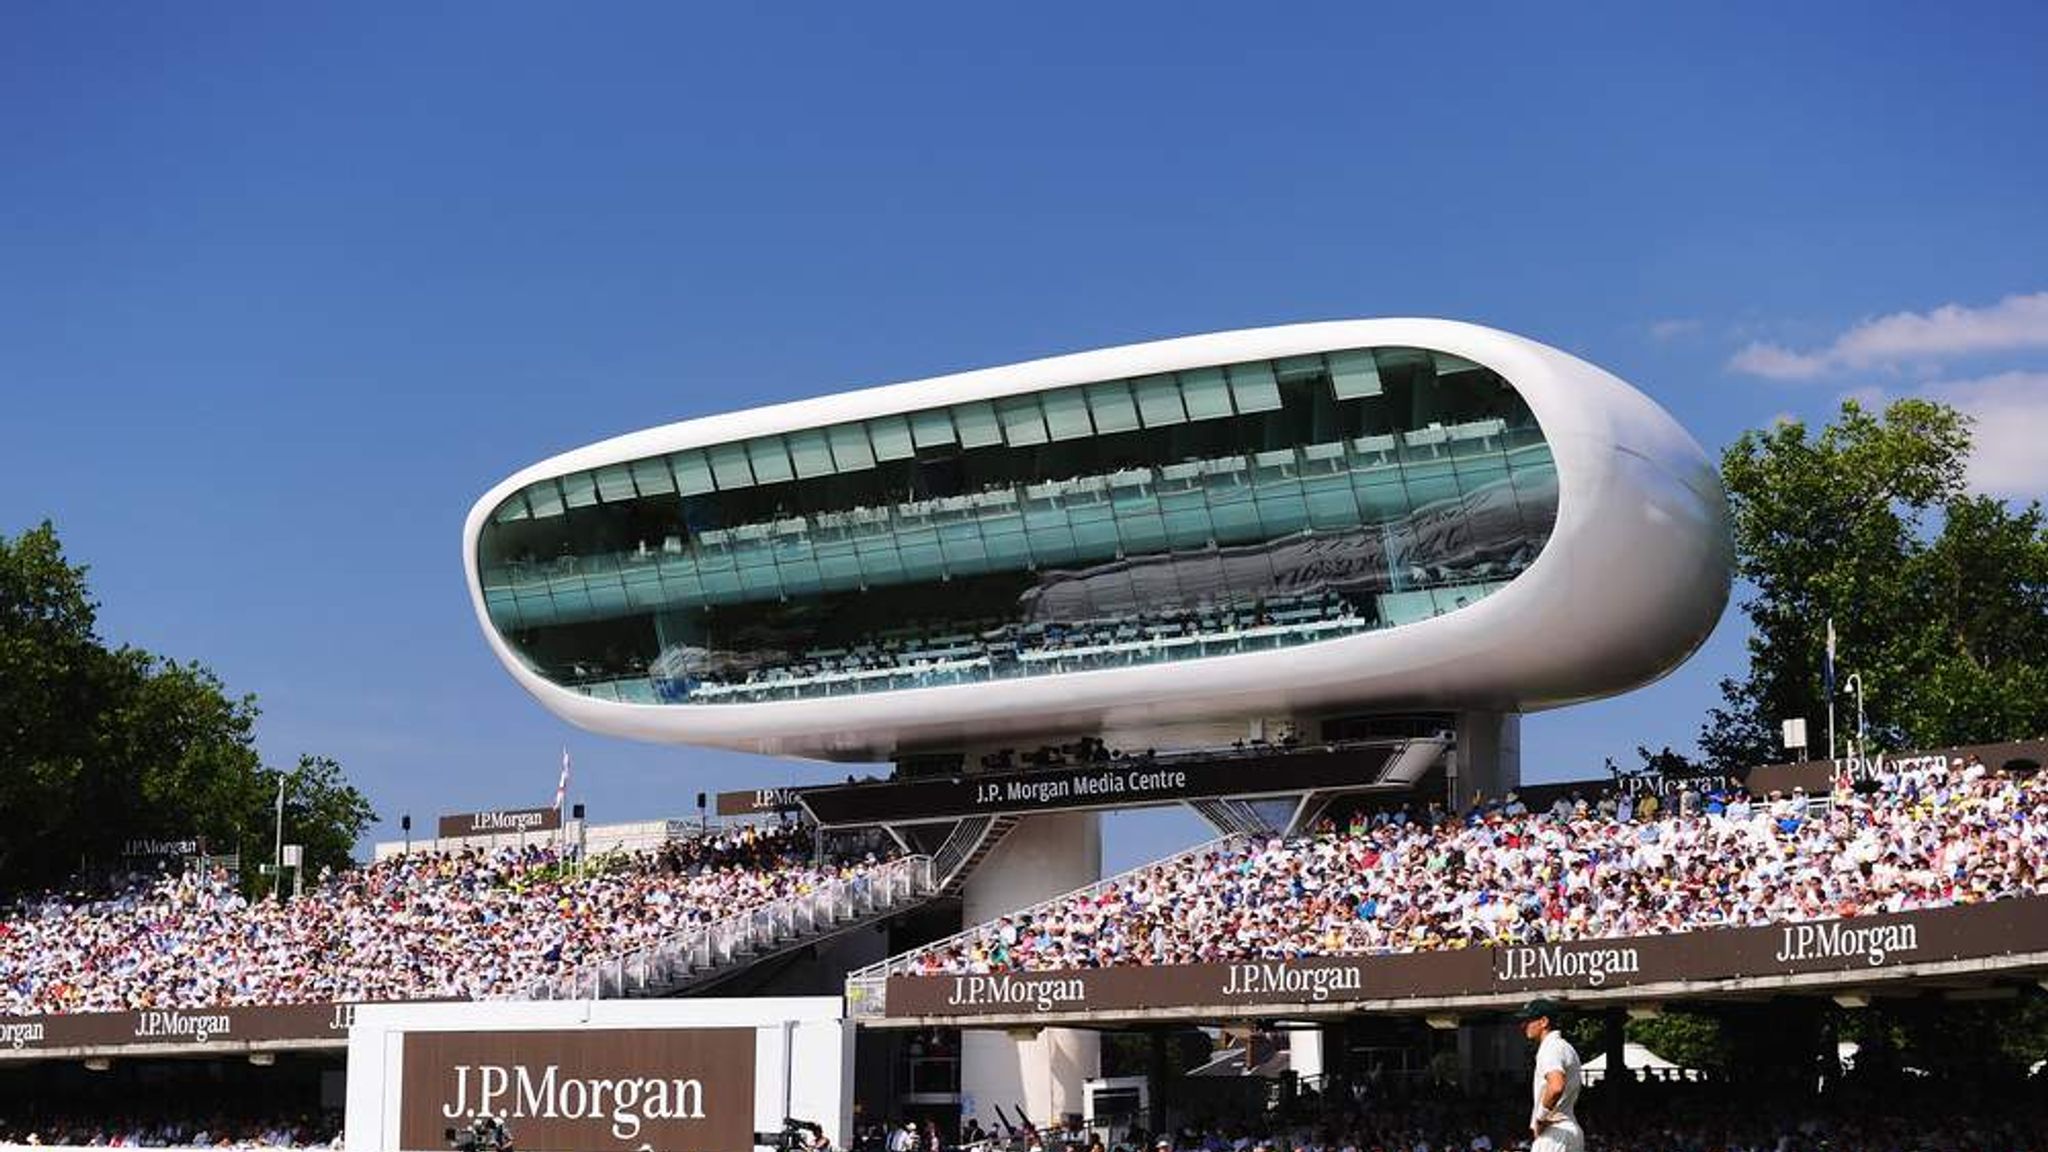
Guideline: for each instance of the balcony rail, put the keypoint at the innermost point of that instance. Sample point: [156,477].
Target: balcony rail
[702,948]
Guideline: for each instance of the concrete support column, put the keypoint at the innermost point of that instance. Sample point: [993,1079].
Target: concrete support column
[1615,1086]
[1042,857]
[1489,754]
[1305,1053]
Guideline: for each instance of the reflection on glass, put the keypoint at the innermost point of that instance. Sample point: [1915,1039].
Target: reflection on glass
[1231,508]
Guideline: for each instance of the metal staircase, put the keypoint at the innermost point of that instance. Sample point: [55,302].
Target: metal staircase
[972,839]
[1233,817]
[719,948]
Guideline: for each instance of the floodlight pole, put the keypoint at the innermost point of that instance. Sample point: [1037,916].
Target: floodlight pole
[277,849]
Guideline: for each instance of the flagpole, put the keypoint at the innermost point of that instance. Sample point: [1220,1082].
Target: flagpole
[1828,683]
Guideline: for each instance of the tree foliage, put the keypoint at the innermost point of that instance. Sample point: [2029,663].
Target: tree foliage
[1939,597]
[101,746]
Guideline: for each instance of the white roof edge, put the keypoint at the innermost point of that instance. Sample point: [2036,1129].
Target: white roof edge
[1122,362]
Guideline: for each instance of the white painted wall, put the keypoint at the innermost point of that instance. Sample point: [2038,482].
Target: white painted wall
[803,1051]
[1042,857]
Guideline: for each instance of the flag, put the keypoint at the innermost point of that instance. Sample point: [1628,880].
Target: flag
[562,785]
[1827,666]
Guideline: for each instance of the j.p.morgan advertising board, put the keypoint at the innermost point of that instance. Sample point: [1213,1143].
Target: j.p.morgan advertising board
[1865,946]
[584,1091]
[699,1075]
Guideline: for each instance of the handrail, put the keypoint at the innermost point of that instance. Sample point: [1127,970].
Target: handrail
[865,987]
[704,946]
[961,843]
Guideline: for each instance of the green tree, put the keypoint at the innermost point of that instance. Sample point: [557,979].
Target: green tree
[99,745]
[1687,1039]
[1939,598]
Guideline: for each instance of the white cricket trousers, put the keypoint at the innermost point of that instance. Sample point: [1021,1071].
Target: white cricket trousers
[1566,1137]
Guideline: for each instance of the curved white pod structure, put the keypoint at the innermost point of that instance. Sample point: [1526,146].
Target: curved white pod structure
[1159,534]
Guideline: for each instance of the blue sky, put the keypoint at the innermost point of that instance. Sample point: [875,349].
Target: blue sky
[284,289]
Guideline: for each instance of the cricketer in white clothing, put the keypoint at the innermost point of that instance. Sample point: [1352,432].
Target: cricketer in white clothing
[1552,1123]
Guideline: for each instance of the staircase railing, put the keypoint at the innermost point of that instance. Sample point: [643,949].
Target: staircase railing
[866,988]
[711,945]
[966,836]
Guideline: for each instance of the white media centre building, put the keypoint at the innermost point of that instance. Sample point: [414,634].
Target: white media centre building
[1172,545]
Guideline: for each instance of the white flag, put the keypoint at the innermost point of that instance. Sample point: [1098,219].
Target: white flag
[562,785]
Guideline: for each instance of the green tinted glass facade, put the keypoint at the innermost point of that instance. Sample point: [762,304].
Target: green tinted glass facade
[1232,508]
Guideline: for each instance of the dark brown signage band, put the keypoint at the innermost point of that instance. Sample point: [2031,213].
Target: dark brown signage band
[500,822]
[1866,944]
[1113,784]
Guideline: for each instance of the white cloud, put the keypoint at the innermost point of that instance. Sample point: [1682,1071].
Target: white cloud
[2008,432]
[2009,455]
[1777,363]
[2015,323]
[1673,328]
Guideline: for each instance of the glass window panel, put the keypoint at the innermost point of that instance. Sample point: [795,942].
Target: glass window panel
[1381,497]
[1206,392]
[729,467]
[1094,531]
[693,472]
[545,499]
[1354,374]
[921,562]
[615,483]
[721,585]
[976,424]
[580,489]
[891,437]
[931,428]
[512,509]
[1430,482]
[1298,367]
[1447,364]
[1111,405]
[1253,387]
[1007,547]
[850,451]
[1142,531]
[800,577]
[1066,414]
[1186,518]
[965,553]
[1023,424]
[607,596]
[643,587]
[1281,509]
[770,460]
[652,477]
[839,567]
[810,454]
[1330,503]
[760,579]
[1050,534]
[1159,401]
[682,584]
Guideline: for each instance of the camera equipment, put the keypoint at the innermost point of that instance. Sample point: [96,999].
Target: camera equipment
[793,1137]
[484,1134]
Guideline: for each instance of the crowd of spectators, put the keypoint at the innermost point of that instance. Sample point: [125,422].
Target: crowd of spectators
[475,923]
[113,1130]
[1578,869]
